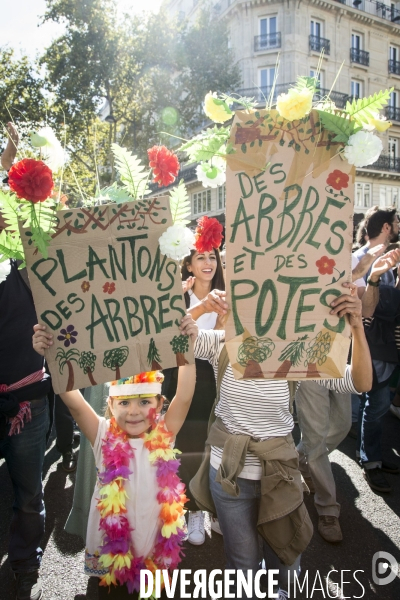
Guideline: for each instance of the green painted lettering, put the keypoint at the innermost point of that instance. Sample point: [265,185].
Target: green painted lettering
[323,299]
[80,275]
[112,302]
[240,221]
[236,297]
[46,276]
[302,308]
[267,286]
[294,283]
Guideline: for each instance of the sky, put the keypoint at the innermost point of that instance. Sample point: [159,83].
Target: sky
[19,22]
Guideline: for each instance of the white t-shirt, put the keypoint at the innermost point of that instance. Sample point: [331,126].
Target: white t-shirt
[142,505]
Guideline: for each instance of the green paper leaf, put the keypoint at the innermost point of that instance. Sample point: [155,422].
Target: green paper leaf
[132,173]
[180,204]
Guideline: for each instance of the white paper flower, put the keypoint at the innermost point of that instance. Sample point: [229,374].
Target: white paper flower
[52,151]
[212,174]
[5,268]
[363,149]
[177,242]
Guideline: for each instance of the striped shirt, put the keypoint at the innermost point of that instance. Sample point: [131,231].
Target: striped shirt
[258,408]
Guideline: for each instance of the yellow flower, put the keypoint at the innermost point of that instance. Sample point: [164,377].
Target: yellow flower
[215,109]
[379,123]
[295,105]
[165,454]
[112,498]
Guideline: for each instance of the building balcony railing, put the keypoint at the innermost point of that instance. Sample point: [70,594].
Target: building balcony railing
[317,43]
[359,56]
[394,67]
[267,41]
[386,163]
[261,94]
[392,113]
[375,8]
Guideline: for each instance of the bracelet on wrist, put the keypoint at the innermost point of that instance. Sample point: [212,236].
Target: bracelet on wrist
[373,283]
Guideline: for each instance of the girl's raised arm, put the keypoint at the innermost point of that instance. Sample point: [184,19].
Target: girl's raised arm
[180,404]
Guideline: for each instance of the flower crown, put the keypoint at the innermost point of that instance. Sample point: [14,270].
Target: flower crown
[148,382]
[208,234]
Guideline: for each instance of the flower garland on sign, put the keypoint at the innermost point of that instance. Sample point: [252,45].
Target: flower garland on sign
[116,552]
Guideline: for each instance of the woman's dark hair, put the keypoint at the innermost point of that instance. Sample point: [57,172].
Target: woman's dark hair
[218,281]
[360,234]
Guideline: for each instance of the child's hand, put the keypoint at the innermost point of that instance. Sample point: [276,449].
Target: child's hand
[41,340]
[189,327]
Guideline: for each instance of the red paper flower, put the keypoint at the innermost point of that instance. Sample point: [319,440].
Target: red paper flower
[208,234]
[165,165]
[338,180]
[31,180]
[325,265]
[109,288]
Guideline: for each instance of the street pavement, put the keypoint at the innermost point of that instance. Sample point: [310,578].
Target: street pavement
[370,524]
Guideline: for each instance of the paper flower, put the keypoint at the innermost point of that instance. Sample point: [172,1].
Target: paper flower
[52,151]
[295,104]
[377,122]
[5,268]
[31,180]
[208,234]
[68,336]
[176,242]
[363,149]
[211,174]
[165,165]
[338,180]
[325,265]
[217,110]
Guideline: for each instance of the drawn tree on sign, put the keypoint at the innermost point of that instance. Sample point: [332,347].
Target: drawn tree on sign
[180,345]
[115,358]
[317,352]
[66,358]
[153,356]
[251,353]
[291,356]
[87,363]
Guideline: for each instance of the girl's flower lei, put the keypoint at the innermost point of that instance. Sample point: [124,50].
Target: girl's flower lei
[116,551]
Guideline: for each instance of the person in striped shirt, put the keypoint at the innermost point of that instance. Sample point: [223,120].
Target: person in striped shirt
[259,409]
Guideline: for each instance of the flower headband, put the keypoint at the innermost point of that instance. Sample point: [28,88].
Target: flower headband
[148,383]
[208,234]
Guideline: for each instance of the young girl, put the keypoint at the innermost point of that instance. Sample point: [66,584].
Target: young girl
[136,519]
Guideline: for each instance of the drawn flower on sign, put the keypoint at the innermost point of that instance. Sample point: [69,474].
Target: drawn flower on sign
[85,287]
[338,180]
[109,288]
[325,265]
[68,336]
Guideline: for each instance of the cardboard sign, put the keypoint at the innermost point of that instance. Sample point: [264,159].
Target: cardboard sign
[111,300]
[289,223]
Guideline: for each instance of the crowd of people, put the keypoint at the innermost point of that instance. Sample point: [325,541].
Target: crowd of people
[130,499]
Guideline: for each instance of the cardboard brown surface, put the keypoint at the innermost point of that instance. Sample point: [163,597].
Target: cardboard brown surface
[289,223]
[111,300]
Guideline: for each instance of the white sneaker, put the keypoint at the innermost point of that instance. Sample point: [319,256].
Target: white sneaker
[215,525]
[282,594]
[395,410]
[196,531]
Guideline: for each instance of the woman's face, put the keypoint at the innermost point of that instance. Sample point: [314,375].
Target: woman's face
[203,266]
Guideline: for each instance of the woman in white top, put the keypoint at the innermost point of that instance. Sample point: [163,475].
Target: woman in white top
[203,272]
